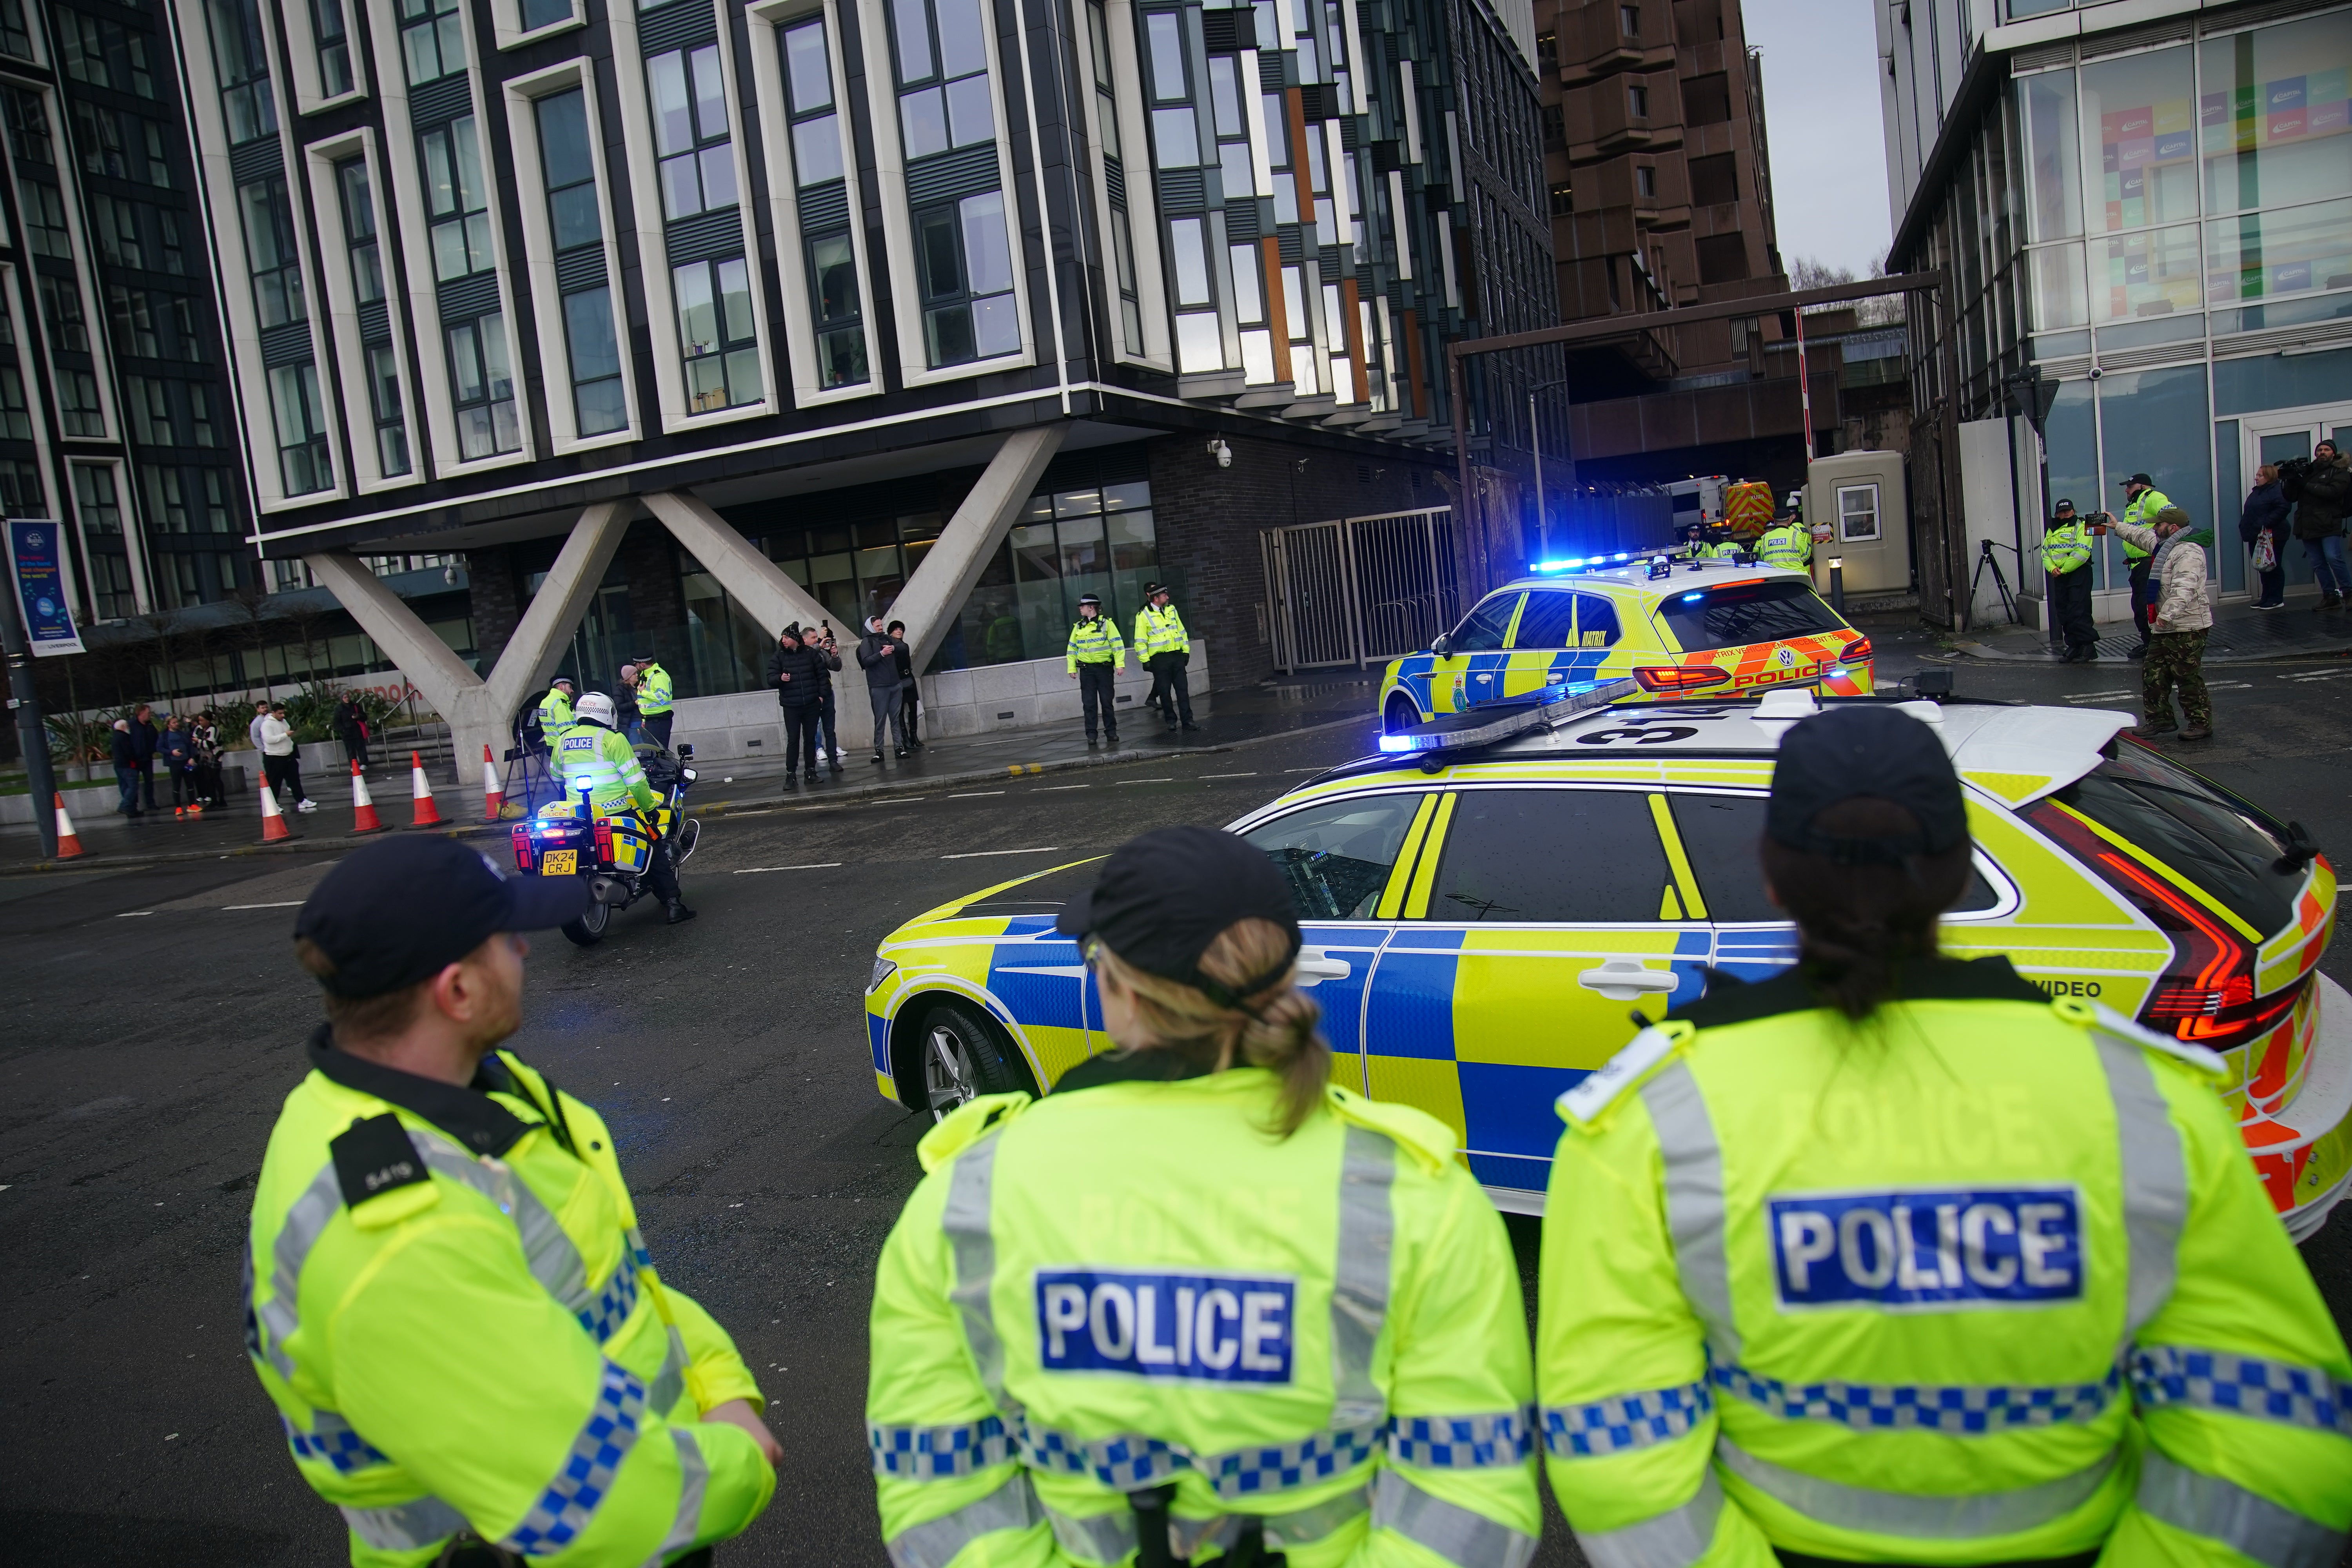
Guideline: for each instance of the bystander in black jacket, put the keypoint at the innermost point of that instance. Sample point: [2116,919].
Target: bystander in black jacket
[2326,495]
[2266,510]
[126,747]
[797,671]
[881,668]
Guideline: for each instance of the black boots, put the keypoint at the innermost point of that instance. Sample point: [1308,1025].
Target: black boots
[678,913]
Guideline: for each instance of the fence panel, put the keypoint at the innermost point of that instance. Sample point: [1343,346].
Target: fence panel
[1361,590]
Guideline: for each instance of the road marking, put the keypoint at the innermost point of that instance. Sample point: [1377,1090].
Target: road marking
[976,794]
[289,904]
[1048,789]
[1142,781]
[763,811]
[2228,684]
[133,914]
[1306,770]
[1227,775]
[983,854]
[817,865]
[2095,696]
[2312,675]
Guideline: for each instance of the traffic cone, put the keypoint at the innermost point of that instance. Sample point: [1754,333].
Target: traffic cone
[494,794]
[273,821]
[69,841]
[427,813]
[364,816]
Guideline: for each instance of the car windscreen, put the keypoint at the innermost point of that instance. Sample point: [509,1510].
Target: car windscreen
[1742,613]
[2217,841]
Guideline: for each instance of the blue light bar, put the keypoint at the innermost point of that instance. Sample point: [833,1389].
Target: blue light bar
[1699,593]
[1398,743]
[1574,564]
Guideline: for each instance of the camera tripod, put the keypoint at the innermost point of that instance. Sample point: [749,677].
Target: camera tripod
[1985,559]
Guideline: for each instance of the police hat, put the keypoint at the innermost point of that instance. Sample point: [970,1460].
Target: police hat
[1878,752]
[401,911]
[1163,896]
[1086,599]
[2064,505]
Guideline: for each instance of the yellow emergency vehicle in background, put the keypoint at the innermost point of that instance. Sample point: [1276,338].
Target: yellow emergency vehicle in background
[1702,629]
[1747,508]
[1489,903]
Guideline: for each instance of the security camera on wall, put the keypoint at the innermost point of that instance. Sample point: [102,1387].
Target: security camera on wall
[1222,453]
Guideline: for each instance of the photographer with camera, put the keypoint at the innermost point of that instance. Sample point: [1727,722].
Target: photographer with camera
[2319,489]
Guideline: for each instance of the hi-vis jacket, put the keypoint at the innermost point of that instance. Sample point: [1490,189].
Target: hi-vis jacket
[1158,632]
[1787,543]
[600,762]
[1094,642]
[653,691]
[554,713]
[1986,1277]
[451,1306]
[1135,1284]
[2141,513]
[2065,546]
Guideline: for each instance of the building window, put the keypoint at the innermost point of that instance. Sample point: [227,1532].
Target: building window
[1200,340]
[1637,101]
[1122,248]
[272,252]
[331,36]
[1563,200]
[966,263]
[78,412]
[690,136]
[1250,312]
[576,219]
[21,491]
[1548,53]
[359,230]
[45,220]
[15,413]
[1555,126]
[457,198]
[133,313]
[384,404]
[104,53]
[61,309]
[1095,540]
[481,381]
[835,300]
[28,125]
[16,38]
[149,404]
[538,14]
[302,459]
[1645,179]
[432,39]
[1175,127]
[715,333]
[1629,20]
[96,498]
[242,64]
[944,100]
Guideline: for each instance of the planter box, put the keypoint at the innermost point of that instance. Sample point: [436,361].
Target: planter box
[85,800]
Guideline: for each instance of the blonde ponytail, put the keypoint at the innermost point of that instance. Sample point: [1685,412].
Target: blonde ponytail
[1274,1028]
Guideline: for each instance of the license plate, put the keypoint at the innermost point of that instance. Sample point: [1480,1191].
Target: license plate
[559,863]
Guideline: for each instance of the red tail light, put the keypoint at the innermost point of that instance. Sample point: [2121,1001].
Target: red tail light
[1679,677]
[603,843]
[1856,650]
[522,848]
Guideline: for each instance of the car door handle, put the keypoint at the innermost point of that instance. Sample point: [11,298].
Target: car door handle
[1623,979]
[1315,967]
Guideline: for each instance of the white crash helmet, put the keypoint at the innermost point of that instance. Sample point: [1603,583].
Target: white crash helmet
[597,707]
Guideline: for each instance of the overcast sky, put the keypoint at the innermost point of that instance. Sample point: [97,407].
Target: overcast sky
[1821,115]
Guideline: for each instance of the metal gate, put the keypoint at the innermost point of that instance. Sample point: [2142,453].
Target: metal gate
[1360,590]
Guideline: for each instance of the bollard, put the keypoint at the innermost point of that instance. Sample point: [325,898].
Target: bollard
[1837,585]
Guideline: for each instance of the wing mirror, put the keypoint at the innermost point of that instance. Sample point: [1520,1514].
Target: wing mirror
[1442,645]
[2300,850]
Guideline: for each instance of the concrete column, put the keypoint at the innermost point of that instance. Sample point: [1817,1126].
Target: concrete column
[767,595]
[480,712]
[933,596]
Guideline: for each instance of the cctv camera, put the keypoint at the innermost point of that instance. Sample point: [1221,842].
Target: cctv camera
[1223,453]
[2096,373]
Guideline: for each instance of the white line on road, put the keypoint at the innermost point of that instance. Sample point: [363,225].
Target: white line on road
[897,799]
[976,794]
[133,914]
[1306,770]
[763,811]
[1048,789]
[2095,696]
[983,854]
[815,866]
[289,904]
[2228,684]
[1228,776]
[1142,781]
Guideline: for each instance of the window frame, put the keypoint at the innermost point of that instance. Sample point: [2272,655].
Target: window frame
[352,390]
[303,57]
[508,29]
[1159,351]
[703,141]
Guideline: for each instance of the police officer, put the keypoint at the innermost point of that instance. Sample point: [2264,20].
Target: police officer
[1894,1257]
[594,758]
[1786,543]
[2066,557]
[1094,657]
[448,1299]
[555,709]
[1201,1297]
[1164,649]
[2142,502]
[651,684]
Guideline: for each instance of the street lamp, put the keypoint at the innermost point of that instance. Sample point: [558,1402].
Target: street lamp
[1534,441]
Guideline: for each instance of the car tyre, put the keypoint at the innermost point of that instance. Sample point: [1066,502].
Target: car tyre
[589,929]
[966,1055]
[1402,715]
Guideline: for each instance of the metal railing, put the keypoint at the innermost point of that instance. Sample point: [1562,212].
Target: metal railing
[1359,590]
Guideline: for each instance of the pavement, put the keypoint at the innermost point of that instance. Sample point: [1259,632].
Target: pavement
[2240,635]
[160,1021]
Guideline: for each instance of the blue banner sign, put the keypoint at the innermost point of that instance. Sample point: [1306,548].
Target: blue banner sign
[36,559]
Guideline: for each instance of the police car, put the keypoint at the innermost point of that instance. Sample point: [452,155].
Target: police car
[1684,630]
[1494,902]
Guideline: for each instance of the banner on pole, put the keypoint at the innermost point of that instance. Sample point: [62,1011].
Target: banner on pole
[38,566]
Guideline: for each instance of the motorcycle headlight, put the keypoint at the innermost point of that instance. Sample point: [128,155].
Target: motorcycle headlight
[686,773]
[883,969]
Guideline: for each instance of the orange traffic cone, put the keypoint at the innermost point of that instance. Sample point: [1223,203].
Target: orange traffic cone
[273,821]
[364,816]
[427,813]
[69,841]
[494,794]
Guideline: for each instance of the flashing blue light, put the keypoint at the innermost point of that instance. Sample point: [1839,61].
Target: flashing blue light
[1396,742]
[1688,597]
[1574,564]
[1622,555]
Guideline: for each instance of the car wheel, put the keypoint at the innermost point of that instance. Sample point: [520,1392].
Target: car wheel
[965,1054]
[1402,715]
[589,929]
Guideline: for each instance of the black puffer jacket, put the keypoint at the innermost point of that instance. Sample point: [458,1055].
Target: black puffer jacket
[2319,511]
[798,674]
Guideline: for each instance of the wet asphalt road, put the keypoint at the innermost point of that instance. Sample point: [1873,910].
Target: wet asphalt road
[158,1020]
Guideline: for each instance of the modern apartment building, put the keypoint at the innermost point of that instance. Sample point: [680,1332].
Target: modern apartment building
[115,416]
[2148,201]
[683,322]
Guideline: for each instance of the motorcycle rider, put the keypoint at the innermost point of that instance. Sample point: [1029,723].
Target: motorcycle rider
[594,757]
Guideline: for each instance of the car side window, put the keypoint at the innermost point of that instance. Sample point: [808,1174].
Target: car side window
[1552,854]
[1337,853]
[1596,621]
[1481,630]
[1548,621]
[1720,834]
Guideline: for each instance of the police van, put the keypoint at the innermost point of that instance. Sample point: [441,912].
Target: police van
[1460,971]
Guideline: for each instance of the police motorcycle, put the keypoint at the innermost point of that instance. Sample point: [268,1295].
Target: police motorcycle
[565,839]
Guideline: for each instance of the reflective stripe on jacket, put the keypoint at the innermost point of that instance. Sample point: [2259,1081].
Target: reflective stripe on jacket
[1986,1277]
[2141,512]
[603,764]
[1158,632]
[1133,1285]
[483,1343]
[1787,545]
[554,713]
[1094,642]
[2065,546]
[653,691]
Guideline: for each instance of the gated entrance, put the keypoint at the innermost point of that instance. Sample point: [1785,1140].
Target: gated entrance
[1360,590]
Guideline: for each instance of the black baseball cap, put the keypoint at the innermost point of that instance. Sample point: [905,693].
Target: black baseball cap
[1163,896]
[2139,479]
[401,911]
[2064,505]
[1878,752]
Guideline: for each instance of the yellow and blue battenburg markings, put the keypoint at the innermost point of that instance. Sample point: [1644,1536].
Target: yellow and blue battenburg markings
[1205,1328]
[1928,1249]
